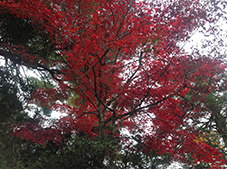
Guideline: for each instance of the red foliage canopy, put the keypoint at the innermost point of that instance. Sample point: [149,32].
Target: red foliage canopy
[122,58]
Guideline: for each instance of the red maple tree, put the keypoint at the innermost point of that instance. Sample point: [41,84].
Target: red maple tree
[122,58]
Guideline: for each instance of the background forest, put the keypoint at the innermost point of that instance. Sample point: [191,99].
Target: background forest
[117,70]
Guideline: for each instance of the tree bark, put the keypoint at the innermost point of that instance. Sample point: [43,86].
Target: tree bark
[219,120]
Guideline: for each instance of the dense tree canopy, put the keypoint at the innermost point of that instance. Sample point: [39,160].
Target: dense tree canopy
[117,65]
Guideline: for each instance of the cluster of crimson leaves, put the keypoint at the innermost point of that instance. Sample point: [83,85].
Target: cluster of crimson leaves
[122,56]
